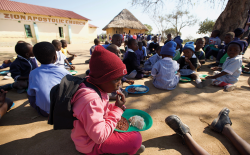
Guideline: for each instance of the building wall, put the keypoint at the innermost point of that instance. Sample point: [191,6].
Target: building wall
[112,31]
[12,29]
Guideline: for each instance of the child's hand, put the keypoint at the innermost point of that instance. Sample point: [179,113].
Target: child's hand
[216,46]
[210,77]
[214,68]
[120,99]
[6,61]
[130,82]
[187,60]
[2,96]
[72,67]
[75,55]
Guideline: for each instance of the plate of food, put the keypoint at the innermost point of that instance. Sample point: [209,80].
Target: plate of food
[73,72]
[185,79]
[137,89]
[134,120]
[203,76]
[4,72]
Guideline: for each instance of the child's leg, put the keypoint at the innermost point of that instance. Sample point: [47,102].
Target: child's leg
[241,145]
[5,106]
[175,123]
[21,84]
[70,59]
[222,124]
[119,142]
[193,146]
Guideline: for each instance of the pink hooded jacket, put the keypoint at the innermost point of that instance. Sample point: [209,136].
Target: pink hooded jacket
[97,118]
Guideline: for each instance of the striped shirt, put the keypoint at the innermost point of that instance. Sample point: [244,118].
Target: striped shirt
[164,73]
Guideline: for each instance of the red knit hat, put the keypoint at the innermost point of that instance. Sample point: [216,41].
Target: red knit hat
[105,66]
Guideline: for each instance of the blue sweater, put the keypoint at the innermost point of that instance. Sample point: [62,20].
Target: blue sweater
[22,67]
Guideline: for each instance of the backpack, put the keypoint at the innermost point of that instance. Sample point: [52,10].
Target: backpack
[61,114]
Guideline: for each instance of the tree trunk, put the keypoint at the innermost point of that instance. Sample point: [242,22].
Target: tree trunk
[234,16]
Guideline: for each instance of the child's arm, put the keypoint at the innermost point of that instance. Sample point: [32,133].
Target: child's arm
[192,67]
[71,66]
[216,76]
[154,70]
[15,71]
[71,53]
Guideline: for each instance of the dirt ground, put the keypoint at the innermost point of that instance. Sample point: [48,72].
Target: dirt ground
[23,132]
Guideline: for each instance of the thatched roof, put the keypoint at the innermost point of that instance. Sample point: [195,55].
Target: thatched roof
[125,19]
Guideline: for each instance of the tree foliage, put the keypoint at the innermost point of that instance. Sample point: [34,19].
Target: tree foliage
[172,31]
[180,19]
[149,29]
[206,26]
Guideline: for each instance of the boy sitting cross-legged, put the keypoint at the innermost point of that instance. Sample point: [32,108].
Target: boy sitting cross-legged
[22,66]
[43,78]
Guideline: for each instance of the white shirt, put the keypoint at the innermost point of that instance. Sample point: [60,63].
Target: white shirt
[60,61]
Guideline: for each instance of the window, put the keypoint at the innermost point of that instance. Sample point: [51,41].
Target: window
[28,31]
[61,32]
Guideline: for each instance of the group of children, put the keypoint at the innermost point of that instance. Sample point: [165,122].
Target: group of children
[93,131]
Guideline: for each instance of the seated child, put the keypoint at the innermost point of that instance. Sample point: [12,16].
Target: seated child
[65,51]
[164,71]
[7,63]
[206,47]
[139,53]
[189,62]
[93,131]
[200,54]
[115,49]
[22,66]
[144,49]
[239,32]
[61,58]
[5,103]
[153,45]
[116,39]
[223,48]
[134,70]
[179,48]
[96,42]
[43,78]
[230,70]
[169,36]
[213,40]
[148,65]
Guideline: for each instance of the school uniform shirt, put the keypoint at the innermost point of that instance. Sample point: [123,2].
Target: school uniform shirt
[105,46]
[164,73]
[22,67]
[233,67]
[152,60]
[139,55]
[184,65]
[41,80]
[148,43]
[152,46]
[200,54]
[131,62]
[144,49]
[65,51]
[60,61]
[92,49]
[214,41]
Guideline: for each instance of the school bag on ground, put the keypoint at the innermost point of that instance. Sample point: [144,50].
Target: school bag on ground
[61,114]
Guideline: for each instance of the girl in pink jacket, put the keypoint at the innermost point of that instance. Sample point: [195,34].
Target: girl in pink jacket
[93,132]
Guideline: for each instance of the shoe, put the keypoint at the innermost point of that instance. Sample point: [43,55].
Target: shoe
[141,150]
[6,87]
[230,87]
[222,119]
[175,123]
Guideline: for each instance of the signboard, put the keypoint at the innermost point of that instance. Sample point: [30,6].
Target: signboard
[40,19]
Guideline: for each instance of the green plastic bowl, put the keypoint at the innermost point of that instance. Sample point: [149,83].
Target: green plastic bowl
[73,72]
[185,79]
[203,76]
[132,112]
